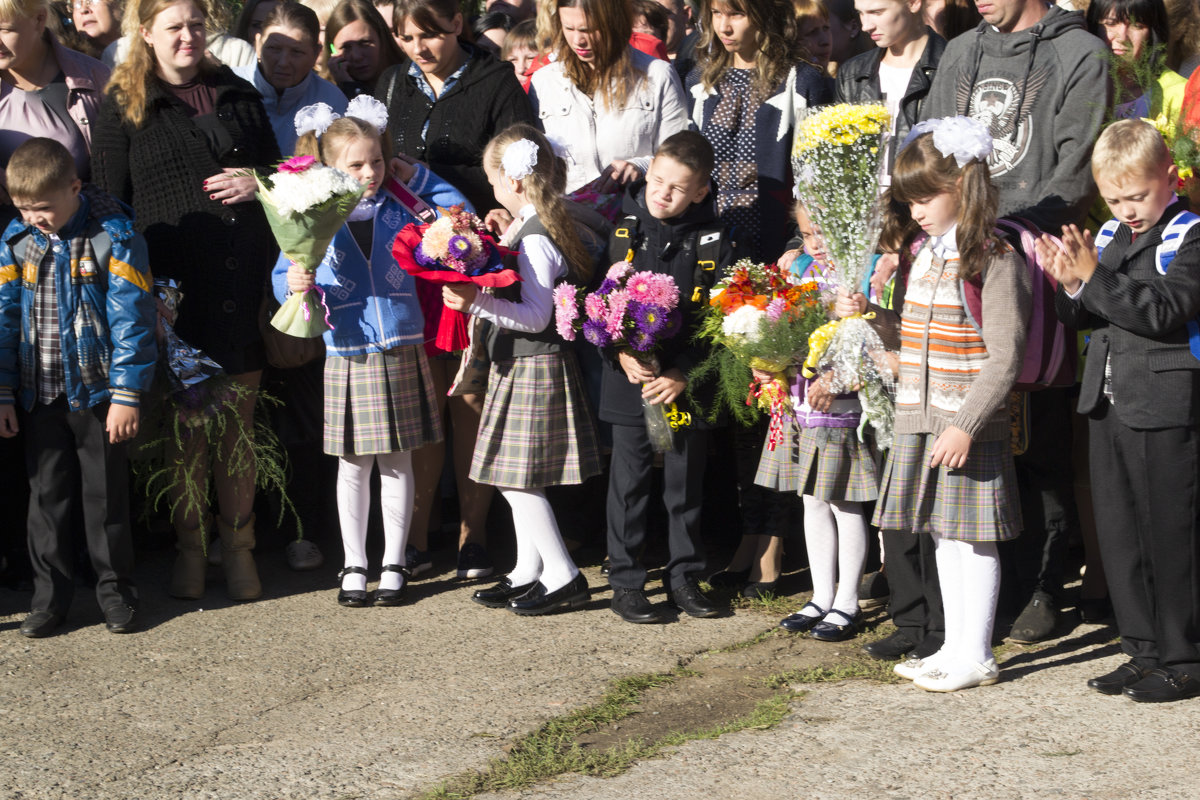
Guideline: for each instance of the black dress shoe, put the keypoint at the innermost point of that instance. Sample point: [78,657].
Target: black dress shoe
[801,622]
[539,601]
[352,598]
[40,623]
[893,647]
[1163,685]
[393,597]
[729,579]
[121,618]
[1125,675]
[929,645]
[498,596]
[836,627]
[690,600]
[632,605]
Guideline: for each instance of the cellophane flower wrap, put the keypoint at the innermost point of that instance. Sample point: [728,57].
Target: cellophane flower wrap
[454,248]
[836,159]
[306,203]
[631,310]
[761,318]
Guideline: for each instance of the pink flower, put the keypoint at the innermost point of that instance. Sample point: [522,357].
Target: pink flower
[564,300]
[775,309]
[615,323]
[653,288]
[619,270]
[595,307]
[297,164]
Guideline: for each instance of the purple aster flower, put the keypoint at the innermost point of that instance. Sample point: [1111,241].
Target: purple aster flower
[607,286]
[596,333]
[673,324]
[640,340]
[422,259]
[649,318]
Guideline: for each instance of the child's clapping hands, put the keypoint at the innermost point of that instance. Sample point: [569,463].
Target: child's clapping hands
[1072,262]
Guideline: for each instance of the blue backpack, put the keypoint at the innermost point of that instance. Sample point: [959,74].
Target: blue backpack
[1172,237]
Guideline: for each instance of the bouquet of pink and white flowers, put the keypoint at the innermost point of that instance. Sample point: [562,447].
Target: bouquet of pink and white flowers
[634,311]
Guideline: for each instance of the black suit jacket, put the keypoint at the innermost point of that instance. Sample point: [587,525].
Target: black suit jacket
[1138,319]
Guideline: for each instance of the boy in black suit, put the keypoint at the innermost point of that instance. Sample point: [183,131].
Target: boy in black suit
[669,226]
[1137,285]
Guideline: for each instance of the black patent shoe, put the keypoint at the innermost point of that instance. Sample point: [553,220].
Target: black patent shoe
[690,600]
[632,605]
[801,622]
[1115,682]
[498,596]
[539,601]
[393,597]
[1163,685]
[836,627]
[352,598]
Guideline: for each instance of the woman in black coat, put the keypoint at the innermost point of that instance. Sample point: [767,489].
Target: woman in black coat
[176,137]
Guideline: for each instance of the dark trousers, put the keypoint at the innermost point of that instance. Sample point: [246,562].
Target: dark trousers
[65,452]
[629,484]
[916,601]
[1146,493]
[1036,560]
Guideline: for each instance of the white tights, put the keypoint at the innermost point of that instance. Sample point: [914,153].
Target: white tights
[541,554]
[835,535]
[969,576]
[396,490]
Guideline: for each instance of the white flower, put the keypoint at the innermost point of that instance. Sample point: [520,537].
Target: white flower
[314,119]
[369,110]
[964,138]
[519,159]
[295,193]
[744,323]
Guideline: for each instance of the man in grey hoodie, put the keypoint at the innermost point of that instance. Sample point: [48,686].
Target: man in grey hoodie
[1039,80]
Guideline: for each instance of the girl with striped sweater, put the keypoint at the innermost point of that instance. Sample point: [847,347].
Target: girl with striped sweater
[950,472]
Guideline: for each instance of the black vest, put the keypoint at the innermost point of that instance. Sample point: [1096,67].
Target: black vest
[503,344]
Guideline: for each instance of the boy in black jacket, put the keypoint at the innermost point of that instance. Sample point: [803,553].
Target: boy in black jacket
[1137,286]
[671,226]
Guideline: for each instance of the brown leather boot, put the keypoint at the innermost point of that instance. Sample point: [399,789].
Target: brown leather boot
[241,576]
[187,576]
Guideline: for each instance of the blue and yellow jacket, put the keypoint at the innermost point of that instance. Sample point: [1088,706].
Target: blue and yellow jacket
[105,308]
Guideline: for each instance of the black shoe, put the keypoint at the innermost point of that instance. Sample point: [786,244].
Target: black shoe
[836,627]
[40,624]
[1037,622]
[352,598]
[498,596]
[605,566]
[1125,675]
[873,590]
[1163,685]
[632,605]
[393,597]
[1094,611]
[539,601]
[120,618]
[759,590]
[689,599]
[801,622]
[729,579]
[928,646]
[892,648]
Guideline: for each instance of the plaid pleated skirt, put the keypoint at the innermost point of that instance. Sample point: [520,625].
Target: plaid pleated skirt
[536,429]
[380,403]
[978,503]
[829,464]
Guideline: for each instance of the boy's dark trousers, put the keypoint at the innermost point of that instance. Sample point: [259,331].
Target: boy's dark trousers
[1146,494]
[629,485]
[65,451]
[915,605]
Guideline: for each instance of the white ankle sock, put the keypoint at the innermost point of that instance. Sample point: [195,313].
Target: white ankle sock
[537,530]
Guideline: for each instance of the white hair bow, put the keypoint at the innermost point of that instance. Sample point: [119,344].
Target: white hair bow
[964,138]
[317,117]
[519,159]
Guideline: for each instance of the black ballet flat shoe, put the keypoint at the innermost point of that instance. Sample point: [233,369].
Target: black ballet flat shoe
[831,630]
[352,598]
[393,597]
[802,623]
[498,596]
[729,579]
[539,601]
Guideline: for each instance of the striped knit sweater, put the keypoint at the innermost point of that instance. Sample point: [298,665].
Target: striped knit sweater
[950,373]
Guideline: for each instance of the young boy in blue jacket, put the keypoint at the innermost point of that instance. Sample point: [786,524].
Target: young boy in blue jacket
[1137,286]
[77,350]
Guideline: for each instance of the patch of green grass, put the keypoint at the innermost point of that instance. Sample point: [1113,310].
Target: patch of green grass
[552,750]
[857,669]
[769,633]
[775,605]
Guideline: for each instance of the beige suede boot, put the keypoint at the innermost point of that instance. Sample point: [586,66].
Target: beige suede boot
[187,576]
[241,576]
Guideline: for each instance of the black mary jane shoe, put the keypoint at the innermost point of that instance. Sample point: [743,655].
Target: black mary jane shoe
[498,596]
[352,598]
[801,622]
[539,601]
[393,597]
[833,629]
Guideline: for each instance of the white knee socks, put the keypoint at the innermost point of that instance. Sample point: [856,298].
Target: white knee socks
[354,503]
[541,554]
[969,577]
[835,535]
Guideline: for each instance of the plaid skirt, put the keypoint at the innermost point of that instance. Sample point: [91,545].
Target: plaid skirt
[536,428]
[380,403]
[978,503]
[829,464]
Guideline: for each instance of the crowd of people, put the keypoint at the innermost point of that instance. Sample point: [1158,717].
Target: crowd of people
[596,138]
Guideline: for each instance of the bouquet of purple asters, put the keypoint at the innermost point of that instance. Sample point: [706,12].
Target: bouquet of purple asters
[632,311]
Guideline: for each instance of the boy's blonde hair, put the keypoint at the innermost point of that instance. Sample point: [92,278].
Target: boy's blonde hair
[38,167]
[13,10]
[523,35]
[1129,147]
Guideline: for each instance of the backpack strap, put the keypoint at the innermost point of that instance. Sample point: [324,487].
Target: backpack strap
[413,204]
[1105,235]
[1172,237]
[708,255]
[626,236]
